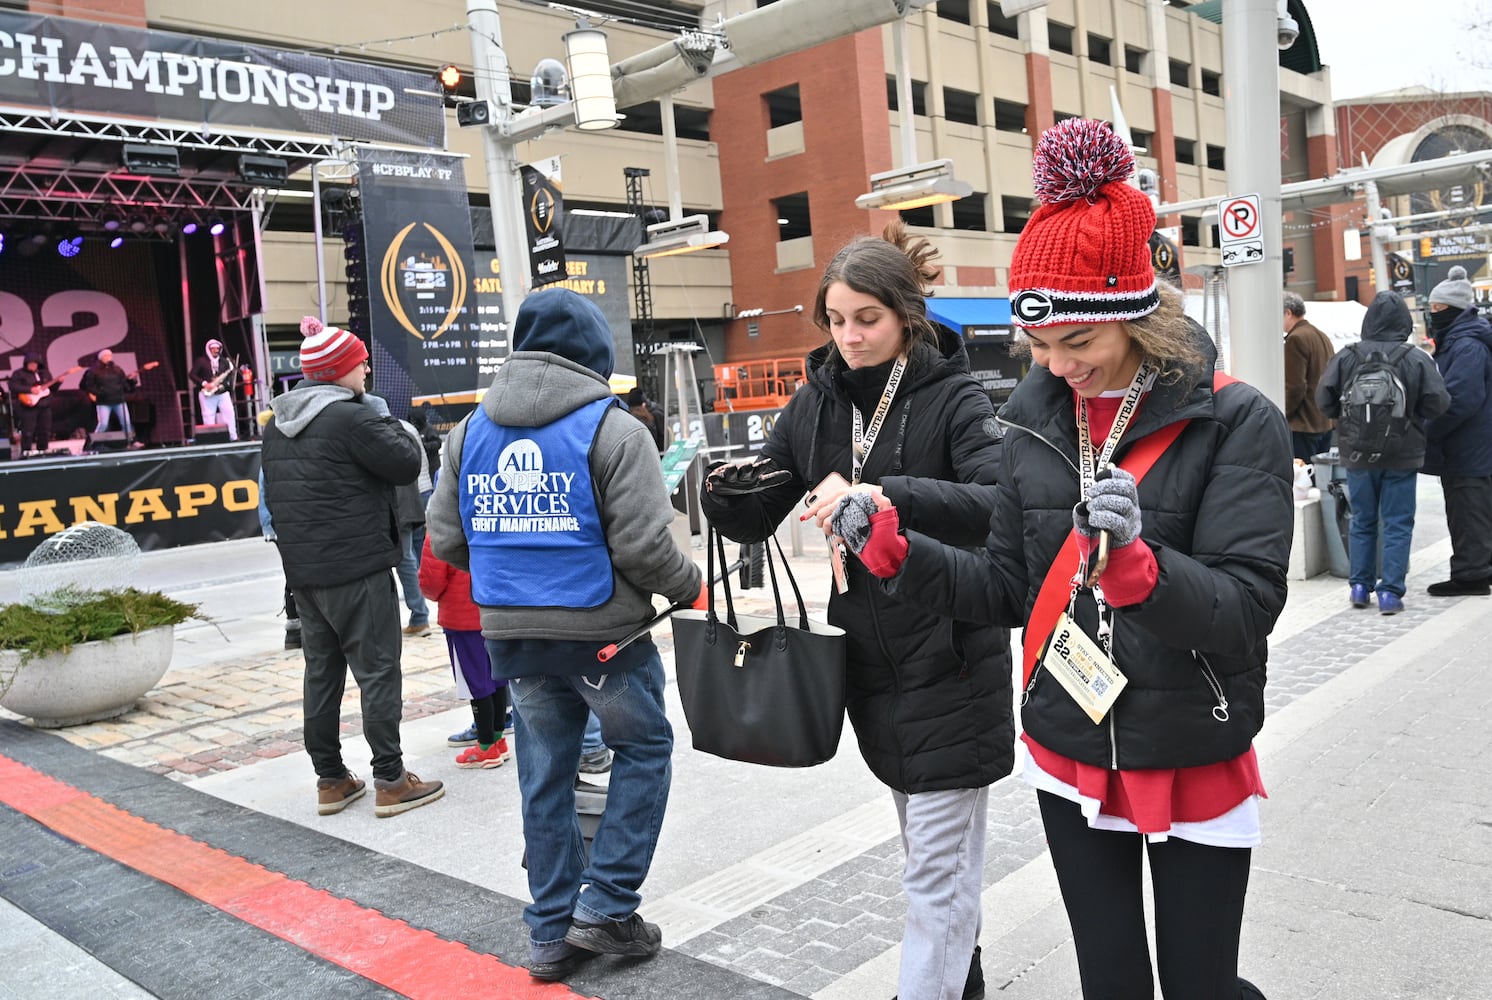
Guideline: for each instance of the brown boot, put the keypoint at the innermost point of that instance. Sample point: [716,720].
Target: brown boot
[335,794]
[409,792]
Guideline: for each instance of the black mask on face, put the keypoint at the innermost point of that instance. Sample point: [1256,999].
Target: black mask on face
[1442,320]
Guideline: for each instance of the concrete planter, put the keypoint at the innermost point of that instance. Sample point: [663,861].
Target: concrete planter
[94,681]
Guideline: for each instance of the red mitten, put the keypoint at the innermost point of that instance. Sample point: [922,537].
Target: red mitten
[887,547]
[702,602]
[1130,575]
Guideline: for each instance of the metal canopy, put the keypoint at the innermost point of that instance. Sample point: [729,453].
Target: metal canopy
[69,168]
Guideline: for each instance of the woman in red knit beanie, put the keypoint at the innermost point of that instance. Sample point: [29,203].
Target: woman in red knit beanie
[1140,535]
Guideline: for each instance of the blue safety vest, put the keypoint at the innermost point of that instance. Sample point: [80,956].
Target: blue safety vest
[529,510]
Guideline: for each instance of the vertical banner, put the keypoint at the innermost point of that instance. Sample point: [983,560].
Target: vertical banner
[543,221]
[418,252]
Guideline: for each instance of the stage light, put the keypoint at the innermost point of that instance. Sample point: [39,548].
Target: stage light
[37,239]
[2,242]
[188,228]
[137,224]
[153,160]
[116,243]
[266,171]
[111,223]
[216,227]
[162,226]
[70,248]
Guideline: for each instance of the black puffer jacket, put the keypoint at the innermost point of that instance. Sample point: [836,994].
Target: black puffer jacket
[929,698]
[330,468]
[1217,513]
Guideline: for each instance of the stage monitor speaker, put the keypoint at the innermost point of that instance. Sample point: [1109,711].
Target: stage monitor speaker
[110,441]
[210,433]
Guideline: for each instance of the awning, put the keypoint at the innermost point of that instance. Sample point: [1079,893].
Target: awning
[971,316]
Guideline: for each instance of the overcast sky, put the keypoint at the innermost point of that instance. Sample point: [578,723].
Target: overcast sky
[1378,45]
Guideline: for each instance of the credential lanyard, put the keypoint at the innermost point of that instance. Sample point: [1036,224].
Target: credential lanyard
[864,438]
[1087,465]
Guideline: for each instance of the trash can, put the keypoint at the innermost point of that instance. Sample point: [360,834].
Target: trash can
[1331,480]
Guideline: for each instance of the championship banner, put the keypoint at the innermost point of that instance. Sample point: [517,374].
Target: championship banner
[162,499]
[417,249]
[73,66]
[543,221]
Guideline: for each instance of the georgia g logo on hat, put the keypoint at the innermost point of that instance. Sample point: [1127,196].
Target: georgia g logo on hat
[1031,307]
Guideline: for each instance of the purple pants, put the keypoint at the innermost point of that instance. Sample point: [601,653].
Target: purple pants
[469,664]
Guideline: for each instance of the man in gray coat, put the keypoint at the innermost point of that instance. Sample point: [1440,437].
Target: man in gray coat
[551,496]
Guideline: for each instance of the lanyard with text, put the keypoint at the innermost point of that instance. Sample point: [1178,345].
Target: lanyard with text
[864,438]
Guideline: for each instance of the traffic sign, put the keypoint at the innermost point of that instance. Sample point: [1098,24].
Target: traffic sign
[1240,235]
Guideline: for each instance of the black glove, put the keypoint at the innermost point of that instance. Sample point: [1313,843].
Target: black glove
[727,480]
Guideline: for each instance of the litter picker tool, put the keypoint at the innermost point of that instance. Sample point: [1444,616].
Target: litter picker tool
[605,653]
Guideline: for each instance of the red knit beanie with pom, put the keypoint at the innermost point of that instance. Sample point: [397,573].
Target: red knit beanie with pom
[1084,257]
[328,353]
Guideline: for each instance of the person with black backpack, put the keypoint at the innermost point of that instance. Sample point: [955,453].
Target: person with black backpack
[1382,391]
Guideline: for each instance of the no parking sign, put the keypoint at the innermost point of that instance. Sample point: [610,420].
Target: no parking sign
[1240,232]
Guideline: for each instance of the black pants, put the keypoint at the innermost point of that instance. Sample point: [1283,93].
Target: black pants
[1468,515]
[1199,894]
[352,625]
[35,423]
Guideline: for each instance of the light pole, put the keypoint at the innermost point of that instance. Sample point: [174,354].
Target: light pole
[1255,298]
[592,106]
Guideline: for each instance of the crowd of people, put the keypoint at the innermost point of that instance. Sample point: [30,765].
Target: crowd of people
[1129,508]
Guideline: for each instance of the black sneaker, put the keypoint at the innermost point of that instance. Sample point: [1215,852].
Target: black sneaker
[552,972]
[633,936]
[1459,588]
[596,761]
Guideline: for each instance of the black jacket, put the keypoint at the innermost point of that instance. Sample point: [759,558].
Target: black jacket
[203,372]
[1386,325]
[1218,514]
[930,698]
[330,468]
[24,379]
[1459,441]
[108,384]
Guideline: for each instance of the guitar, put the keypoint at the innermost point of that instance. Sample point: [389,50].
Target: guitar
[43,390]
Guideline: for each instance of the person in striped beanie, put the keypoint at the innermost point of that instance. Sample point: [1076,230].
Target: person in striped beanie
[332,459]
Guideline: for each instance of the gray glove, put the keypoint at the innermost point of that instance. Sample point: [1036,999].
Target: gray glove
[1112,505]
[379,405]
[851,519]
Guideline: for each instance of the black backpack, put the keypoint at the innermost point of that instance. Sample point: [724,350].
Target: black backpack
[1375,407]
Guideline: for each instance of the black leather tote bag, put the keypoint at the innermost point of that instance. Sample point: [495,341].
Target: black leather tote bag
[757,689]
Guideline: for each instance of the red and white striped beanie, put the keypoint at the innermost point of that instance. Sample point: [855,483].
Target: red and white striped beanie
[1084,256]
[328,353]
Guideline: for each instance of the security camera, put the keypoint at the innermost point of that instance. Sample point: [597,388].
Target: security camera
[1286,31]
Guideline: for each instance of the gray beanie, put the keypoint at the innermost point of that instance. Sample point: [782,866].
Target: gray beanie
[1455,291]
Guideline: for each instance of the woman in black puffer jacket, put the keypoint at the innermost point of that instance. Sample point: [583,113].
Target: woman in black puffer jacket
[1188,474]
[929,698]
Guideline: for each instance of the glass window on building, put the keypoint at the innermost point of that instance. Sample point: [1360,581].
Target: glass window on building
[1059,36]
[1134,59]
[1212,83]
[1180,73]
[1100,50]
[954,10]
[1010,116]
[1186,151]
[1216,158]
[960,106]
[999,24]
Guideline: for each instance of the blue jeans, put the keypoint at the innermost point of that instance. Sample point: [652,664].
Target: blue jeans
[592,740]
[105,411]
[1383,500]
[549,723]
[409,579]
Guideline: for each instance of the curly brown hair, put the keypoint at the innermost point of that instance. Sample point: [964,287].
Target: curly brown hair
[897,269]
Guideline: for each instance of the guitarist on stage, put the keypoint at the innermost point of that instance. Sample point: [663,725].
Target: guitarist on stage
[107,385]
[34,418]
[213,375]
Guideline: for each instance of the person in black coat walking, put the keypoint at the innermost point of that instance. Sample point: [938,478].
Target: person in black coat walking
[1383,473]
[890,407]
[1147,589]
[1459,441]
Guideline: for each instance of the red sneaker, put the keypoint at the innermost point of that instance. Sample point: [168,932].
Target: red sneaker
[494,756]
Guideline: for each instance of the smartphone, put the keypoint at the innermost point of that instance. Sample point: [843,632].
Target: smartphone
[833,481]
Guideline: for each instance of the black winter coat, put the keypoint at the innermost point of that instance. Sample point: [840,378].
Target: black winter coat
[108,383]
[1460,439]
[929,698]
[1218,513]
[330,490]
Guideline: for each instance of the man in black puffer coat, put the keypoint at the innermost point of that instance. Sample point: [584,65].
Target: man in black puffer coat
[332,457]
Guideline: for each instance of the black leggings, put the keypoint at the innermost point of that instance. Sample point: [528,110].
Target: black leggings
[1199,894]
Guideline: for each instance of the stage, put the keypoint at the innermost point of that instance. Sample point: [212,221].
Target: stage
[164,497]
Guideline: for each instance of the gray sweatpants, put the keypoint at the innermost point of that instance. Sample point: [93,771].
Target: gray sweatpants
[352,625]
[942,834]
